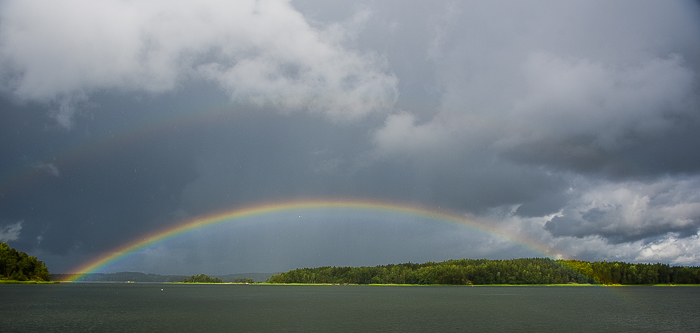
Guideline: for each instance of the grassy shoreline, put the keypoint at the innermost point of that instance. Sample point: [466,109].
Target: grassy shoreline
[454,285]
[27,282]
[371,285]
[488,285]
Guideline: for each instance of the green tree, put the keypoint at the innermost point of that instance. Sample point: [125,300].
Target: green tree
[202,278]
[16,265]
[483,271]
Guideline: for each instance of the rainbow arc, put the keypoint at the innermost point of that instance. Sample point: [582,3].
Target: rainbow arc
[252,215]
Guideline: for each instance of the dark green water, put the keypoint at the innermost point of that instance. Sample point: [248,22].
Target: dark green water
[266,308]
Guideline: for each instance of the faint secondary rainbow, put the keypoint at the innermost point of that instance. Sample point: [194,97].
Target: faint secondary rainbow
[245,216]
[83,151]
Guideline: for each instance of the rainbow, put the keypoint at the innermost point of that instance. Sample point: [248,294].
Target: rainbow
[244,216]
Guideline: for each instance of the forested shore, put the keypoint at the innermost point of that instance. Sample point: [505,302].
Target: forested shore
[486,272]
[19,266]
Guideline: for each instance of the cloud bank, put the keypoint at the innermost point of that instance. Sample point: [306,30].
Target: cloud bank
[594,111]
[629,211]
[261,52]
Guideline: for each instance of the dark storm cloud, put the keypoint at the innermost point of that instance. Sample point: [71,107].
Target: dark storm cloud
[271,157]
[572,124]
[85,188]
[577,89]
[557,103]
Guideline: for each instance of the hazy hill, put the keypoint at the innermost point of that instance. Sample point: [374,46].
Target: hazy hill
[142,277]
[257,277]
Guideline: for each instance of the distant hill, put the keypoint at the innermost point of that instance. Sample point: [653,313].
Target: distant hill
[123,277]
[257,277]
[142,277]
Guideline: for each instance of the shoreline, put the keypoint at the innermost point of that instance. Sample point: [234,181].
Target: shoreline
[28,282]
[487,285]
[369,285]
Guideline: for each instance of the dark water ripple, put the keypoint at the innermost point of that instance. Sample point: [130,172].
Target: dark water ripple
[90,307]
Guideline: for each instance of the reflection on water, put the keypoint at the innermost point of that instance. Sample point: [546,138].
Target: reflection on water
[166,307]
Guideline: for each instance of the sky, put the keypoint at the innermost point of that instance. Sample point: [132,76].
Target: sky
[567,129]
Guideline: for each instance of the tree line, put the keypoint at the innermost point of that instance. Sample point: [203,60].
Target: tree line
[485,272]
[19,266]
[202,278]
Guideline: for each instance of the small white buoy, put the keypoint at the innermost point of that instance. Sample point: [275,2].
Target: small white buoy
[161,289]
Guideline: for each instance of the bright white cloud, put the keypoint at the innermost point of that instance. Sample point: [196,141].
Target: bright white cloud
[673,250]
[631,210]
[633,221]
[259,51]
[668,248]
[10,232]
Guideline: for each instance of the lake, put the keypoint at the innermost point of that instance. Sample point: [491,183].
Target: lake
[277,308]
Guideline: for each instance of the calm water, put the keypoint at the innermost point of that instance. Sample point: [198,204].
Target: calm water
[241,308]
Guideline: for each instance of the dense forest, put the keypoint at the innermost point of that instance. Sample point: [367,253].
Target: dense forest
[202,278]
[19,266]
[484,272]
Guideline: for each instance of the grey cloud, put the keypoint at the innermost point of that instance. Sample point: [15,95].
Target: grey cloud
[560,95]
[260,52]
[670,249]
[549,90]
[49,168]
[401,135]
[10,232]
[570,115]
[271,157]
[589,108]
[630,211]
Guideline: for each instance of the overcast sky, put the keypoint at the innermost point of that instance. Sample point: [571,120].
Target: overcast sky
[573,125]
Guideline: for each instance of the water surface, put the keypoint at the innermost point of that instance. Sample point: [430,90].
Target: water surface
[271,308]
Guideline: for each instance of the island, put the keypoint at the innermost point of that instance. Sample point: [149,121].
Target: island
[19,267]
[523,271]
[202,278]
